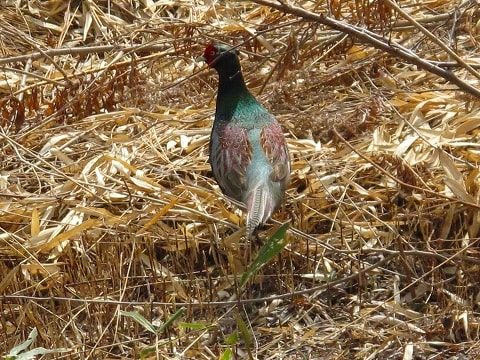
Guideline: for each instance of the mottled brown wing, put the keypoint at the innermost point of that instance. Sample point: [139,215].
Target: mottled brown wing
[230,154]
[274,145]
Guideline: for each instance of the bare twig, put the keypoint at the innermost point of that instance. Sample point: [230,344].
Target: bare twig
[433,38]
[375,40]
[82,51]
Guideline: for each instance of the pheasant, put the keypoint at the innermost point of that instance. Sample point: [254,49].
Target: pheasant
[248,151]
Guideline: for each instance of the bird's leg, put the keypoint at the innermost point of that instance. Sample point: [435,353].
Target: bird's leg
[248,249]
[256,237]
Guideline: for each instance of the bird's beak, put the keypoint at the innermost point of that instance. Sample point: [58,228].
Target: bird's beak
[200,59]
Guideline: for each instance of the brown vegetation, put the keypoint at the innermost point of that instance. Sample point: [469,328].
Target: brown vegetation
[107,204]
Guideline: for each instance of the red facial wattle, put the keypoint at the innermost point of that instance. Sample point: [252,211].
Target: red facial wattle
[210,54]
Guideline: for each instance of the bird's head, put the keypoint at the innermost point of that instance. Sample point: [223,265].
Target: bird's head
[216,54]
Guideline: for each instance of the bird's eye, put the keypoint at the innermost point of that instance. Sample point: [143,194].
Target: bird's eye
[213,53]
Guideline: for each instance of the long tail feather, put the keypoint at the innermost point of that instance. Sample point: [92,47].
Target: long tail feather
[259,207]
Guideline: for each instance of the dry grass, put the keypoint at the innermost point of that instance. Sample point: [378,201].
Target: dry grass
[107,203]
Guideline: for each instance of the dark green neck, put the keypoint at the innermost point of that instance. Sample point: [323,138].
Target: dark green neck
[231,84]
[233,98]
[231,89]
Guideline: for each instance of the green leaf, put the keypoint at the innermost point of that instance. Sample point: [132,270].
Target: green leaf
[227,355]
[147,351]
[244,330]
[269,250]
[17,353]
[232,339]
[148,325]
[19,348]
[32,354]
[195,326]
[141,320]
[167,323]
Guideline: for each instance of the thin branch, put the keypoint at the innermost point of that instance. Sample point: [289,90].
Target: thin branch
[433,38]
[83,51]
[373,39]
